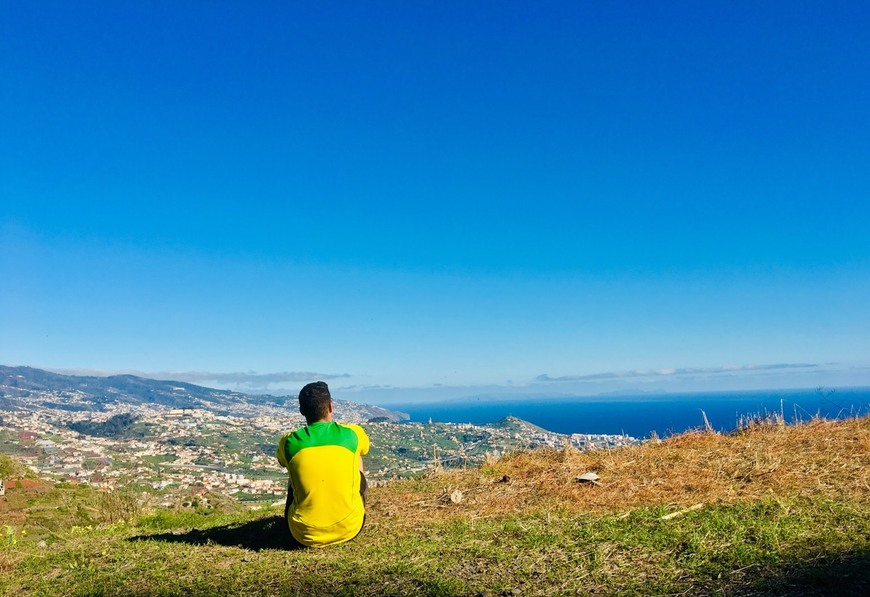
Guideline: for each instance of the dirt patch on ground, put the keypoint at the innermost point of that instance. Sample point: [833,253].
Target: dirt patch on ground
[32,484]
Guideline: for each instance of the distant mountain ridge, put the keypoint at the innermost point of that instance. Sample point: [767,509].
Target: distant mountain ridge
[128,389]
[21,382]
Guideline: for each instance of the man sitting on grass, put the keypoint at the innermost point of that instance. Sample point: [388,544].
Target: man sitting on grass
[327,488]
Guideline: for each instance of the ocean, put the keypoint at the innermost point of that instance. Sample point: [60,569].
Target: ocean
[640,415]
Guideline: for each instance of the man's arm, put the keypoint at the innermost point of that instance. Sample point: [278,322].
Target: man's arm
[282,450]
[364,444]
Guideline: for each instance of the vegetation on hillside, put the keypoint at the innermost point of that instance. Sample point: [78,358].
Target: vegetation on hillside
[114,426]
[771,509]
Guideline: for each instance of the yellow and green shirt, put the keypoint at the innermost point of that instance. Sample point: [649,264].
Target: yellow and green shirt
[323,461]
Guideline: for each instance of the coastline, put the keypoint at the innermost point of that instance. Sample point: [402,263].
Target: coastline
[639,415]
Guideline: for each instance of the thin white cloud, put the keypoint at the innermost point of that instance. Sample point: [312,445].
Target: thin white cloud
[681,371]
[249,378]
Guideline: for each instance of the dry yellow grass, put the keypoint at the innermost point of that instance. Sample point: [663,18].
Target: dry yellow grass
[815,459]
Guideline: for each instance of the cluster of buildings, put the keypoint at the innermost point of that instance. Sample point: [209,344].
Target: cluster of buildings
[406,449]
[173,451]
[179,450]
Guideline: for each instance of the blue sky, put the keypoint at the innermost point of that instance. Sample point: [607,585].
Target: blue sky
[438,198]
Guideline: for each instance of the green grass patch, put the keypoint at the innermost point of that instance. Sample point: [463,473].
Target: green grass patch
[795,546]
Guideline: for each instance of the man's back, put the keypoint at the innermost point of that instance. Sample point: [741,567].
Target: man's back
[323,461]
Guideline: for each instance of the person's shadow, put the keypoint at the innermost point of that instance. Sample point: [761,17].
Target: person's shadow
[264,533]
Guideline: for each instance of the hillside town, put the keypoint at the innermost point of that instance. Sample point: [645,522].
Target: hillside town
[172,452]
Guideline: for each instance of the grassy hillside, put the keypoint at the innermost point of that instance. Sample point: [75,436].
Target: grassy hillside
[770,510]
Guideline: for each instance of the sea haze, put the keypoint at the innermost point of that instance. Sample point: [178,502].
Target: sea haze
[640,415]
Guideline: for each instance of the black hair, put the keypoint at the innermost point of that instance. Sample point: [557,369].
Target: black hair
[314,401]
